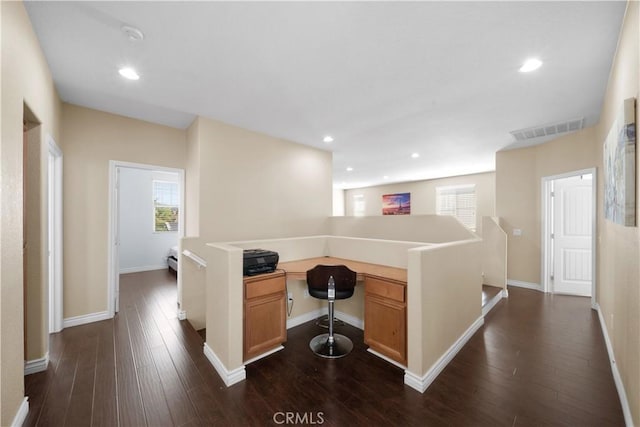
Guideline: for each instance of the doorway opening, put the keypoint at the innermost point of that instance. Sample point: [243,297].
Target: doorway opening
[145,214]
[42,241]
[568,233]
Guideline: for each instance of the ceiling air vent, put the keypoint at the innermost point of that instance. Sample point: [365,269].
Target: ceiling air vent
[547,130]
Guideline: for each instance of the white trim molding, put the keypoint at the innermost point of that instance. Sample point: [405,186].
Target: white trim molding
[421,383]
[546,243]
[55,224]
[36,365]
[526,285]
[86,318]
[143,268]
[229,377]
[113,258]
[351,320]
[492,302]
[312,315]
[622,394]
[22,413]
[304,318]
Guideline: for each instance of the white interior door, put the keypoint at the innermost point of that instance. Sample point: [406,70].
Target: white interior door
[572,239]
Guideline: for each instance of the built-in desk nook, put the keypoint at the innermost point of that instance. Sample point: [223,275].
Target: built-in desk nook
[417,302]
[385,305]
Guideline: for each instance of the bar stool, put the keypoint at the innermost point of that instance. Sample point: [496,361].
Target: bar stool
[331,282]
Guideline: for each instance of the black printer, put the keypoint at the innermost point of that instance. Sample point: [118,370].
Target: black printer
[258,261]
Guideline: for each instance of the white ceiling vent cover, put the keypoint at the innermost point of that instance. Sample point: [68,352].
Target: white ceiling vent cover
[547,130]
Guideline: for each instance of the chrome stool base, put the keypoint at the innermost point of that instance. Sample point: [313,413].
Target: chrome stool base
[323,322]
[341,346]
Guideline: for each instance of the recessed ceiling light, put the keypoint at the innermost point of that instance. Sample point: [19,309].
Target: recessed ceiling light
[129,73]
[327,139]
[349,169]
[530,64]
[385,177]
[415,155]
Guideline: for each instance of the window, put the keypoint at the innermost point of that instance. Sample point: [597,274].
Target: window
[358,205]
[166,205]
[459,201]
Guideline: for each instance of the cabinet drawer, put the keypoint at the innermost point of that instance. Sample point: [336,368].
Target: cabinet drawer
[260,287]
[384,289]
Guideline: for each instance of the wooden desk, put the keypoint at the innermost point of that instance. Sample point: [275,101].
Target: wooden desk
[385,301]
[298,269]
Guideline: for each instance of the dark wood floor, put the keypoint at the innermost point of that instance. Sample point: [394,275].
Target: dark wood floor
[538,360]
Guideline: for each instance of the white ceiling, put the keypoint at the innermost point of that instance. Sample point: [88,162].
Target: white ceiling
[385,79]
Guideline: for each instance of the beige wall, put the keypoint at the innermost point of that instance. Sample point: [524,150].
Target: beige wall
[254,186]
[192,181]
[410,228]
[443,300]
[423,195]
[618,284]
[519,176]
[246,185]
[90,139]
[25,80]
[494,253]
[518,186]
[224,298]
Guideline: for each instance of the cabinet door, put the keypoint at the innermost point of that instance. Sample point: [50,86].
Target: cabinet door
[264,324]
[385,327]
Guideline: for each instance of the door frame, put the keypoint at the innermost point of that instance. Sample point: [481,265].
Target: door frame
[113,258]
[54,241]
[547,215]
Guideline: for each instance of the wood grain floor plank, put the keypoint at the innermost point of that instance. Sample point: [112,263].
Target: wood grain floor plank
[105,399]
[130,406]
[539,360]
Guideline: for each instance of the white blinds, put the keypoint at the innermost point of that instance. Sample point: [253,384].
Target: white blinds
[166,193]
[459,201]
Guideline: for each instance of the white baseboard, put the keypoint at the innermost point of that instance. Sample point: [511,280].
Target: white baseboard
[526,285]
[492,303]
[142,268]
[85,318]
[22,413]
[304,318]
[36,365]
[505,293]
[182,315]
[352,320]
[622,394]
[229,377]
[312,315]
[421,383]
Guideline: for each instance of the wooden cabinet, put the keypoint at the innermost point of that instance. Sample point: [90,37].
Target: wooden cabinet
[264,313]
[385,318]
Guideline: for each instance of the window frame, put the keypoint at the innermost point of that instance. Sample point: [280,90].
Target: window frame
[458,191]
[155,207]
